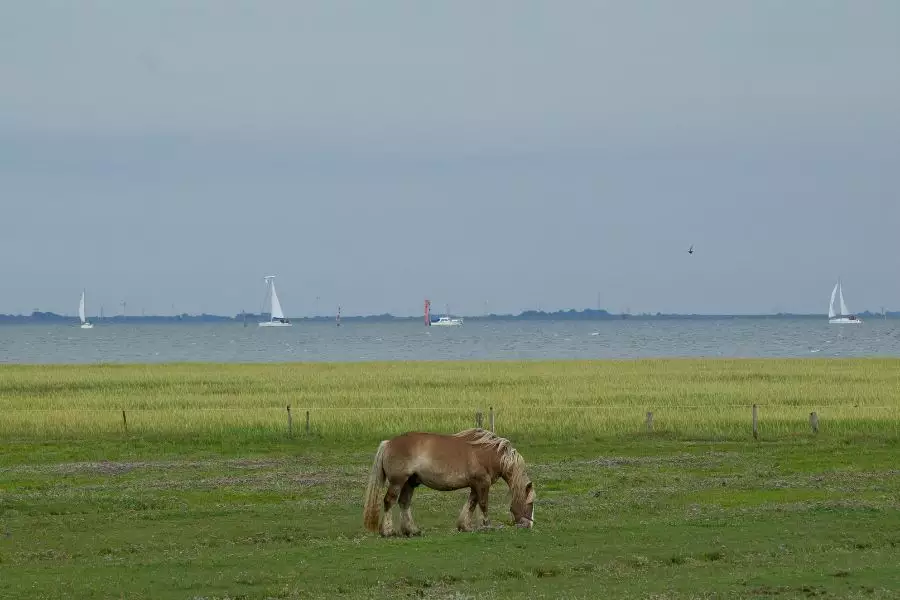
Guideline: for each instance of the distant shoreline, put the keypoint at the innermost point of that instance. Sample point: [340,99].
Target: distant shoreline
[531,315]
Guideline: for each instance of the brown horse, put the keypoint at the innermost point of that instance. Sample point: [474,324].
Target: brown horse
[474,458]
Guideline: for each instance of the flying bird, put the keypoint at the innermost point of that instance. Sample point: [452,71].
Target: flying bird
[691,249]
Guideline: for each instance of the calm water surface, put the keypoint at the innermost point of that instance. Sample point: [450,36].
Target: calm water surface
[472,341]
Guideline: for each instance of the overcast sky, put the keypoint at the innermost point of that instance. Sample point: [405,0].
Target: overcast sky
[519,154]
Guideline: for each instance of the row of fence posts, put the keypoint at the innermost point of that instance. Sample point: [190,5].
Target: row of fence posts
[754,416]
[479,421]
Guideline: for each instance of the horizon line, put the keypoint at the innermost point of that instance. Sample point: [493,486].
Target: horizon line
[584,314]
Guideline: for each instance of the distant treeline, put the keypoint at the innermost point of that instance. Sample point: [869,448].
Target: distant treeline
[50,317]
[528,315]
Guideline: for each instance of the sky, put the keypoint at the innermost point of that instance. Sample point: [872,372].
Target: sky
[498,156]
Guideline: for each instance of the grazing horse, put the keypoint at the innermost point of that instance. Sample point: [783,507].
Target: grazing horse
[474,458]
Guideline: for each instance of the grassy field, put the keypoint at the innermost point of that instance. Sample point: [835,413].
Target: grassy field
[207,496]
[556,401]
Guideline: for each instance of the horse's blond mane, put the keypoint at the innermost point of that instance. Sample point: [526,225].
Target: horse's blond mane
[483,437]
[511,462]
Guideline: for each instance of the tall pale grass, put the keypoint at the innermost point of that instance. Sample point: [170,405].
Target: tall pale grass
[556,400]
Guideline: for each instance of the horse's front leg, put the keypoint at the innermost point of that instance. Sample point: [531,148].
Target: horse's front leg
[483,504]
[464,522]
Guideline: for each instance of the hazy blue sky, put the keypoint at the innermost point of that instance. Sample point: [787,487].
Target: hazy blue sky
[521,153]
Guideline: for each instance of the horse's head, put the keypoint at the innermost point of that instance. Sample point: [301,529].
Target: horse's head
[522,507]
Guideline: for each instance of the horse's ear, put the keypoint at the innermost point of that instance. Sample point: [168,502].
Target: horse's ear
[529,493]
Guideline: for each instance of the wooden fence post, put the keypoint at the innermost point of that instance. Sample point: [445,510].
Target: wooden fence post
[290,424]
[814,421]
[307,422]
[491,416]
[125,422]
[479,419]
[649,420]
[755,428]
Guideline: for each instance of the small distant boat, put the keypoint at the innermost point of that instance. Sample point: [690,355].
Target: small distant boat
[276,318]
[844,316]
[446,321]
[85,324]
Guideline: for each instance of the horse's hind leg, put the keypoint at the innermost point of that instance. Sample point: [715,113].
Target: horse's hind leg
[390,497]
[407,526]
[464,522]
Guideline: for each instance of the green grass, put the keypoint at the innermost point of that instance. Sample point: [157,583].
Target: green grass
[207,496]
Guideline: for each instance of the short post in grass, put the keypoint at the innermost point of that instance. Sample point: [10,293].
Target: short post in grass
[814,422]
[290,424]
[755,423]
[650,421]
[491,418]
[307,422]
[479,419]
[124,422]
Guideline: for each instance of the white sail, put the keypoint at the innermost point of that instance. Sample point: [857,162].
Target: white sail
[85,324]
[276,305]
[844,311]
[276,314]
[842,316]
[831,313]
[81,308]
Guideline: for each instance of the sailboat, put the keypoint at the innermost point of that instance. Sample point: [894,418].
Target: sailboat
[276,318]
[844,316]
[85,324]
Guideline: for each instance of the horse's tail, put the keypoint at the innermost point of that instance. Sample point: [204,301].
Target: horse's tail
[372,510]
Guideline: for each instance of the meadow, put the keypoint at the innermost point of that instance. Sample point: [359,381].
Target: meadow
[203,492]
